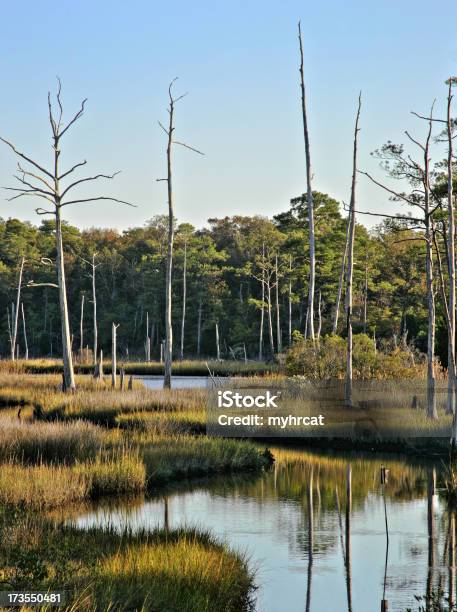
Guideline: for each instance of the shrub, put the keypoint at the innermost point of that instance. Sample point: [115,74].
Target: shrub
[326,359]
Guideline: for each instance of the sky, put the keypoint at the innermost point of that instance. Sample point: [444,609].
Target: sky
[238,61]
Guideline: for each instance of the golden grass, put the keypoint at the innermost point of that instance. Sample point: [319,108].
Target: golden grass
[183,570]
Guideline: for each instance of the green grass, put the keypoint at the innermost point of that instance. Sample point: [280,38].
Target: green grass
[49,486]
[185,456]
[183,570]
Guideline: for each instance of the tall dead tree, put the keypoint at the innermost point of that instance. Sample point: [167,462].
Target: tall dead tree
[401,165]
[452,382]
[24,329]
[350,264]
[15,318]
[168,357]
[309,196]
[48,185]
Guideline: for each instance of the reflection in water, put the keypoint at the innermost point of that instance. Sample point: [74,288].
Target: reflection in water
[348,535]
[310,540]
[315,529]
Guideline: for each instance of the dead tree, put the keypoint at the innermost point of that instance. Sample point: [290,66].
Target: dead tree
[262,306]
[147,342]
[184,297]
[319,315]
[309,196]
[290,303]
[92,276]
[199,326]
[48,185]
[16,311]
[218,346]
[350,264]
[278,317]
[171,233]
[419,176]
[24,329]
[81,328]
[452,380]
[341,278]
[114,354]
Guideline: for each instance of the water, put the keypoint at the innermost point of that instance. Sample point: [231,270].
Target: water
[178,382]
[267,516]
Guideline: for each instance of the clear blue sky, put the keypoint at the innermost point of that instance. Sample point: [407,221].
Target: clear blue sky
[238,61]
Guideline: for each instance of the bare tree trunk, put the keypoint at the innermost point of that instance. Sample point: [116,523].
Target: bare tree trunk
[319,315]
[350,266]
[218,347]
[169,265]
[113,354]
[147,344]
[365,297]
[309,195]
[199,326]
[341,279]
[290,302]
[184,296]
[16,310]
[94,305]
[25,333]
[262,309]
[81,328]
[10,334]
[69,376]
[278,317]
[451,368]
[270,322]
[429,231]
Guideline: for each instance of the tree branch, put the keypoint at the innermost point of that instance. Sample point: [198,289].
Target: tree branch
[75,118]
[89,178]
[28,159]
[98,198]
[78,165]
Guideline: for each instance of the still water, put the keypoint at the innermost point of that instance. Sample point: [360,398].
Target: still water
[179,382]
[314,528]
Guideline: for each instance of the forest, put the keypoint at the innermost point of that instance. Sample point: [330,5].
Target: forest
[222,266]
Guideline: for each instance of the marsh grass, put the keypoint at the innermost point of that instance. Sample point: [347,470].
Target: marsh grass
[184,456]
[185,570]
[49,486]
[37,441]
[153,368]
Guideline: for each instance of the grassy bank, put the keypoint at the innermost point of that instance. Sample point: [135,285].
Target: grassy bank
[101,441]
[141,368]
[177,571]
